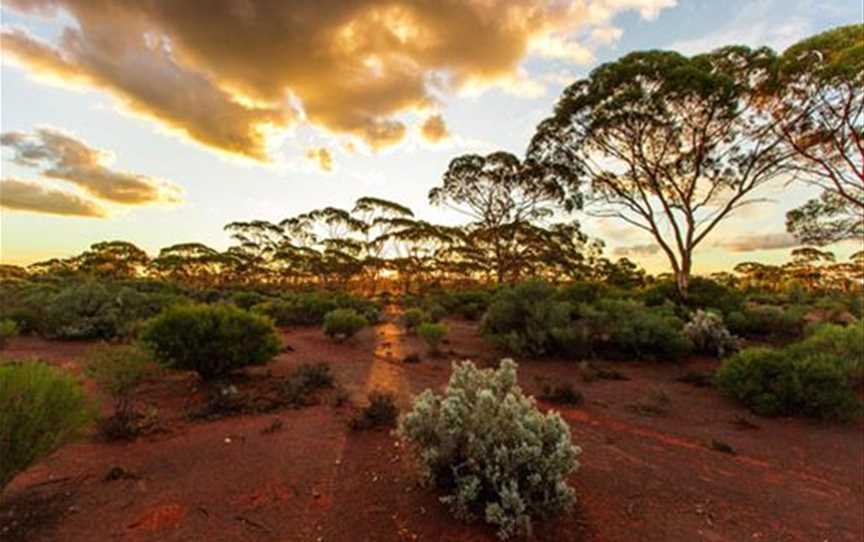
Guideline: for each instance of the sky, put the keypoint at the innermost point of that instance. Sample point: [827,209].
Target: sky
[158,122]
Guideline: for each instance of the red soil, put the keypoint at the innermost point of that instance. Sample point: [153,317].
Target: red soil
[647,474]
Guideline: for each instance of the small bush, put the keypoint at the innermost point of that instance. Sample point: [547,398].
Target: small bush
[702,293]
[381,412]
[709,335]
[775,382]
[491,450]
[246,300]
[432,334]
[41,408]
[343,324]
[306,380]
[559,392]
[8,331]
[118,370]
[212,340]
[412,318]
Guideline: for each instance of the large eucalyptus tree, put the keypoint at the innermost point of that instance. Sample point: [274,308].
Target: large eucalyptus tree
[668,144]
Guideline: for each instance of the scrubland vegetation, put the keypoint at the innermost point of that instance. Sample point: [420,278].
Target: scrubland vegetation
[781,340]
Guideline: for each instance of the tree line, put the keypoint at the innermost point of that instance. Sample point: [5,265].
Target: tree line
[668,144]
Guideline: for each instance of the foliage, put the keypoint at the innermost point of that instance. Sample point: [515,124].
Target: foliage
[709,335]
[41,408]
[702,293]
[765,320]
[491,450]
[380,412]
[784,382]
[628,328]
[119,370]
[703,112]
[412,318]
[844,342]
[212,340]
[8,331]
[309,308]
[526,318]
[343,323]
[432,333]
[305,380]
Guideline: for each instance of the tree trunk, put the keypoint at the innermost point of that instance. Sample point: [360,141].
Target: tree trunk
[682,277]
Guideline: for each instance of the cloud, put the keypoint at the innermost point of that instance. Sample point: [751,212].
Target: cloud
[61,156]
[649,249]
[230,75]
[321,156]
[750,243]
[434,129]
[756,24]
[606,35]
[28,196]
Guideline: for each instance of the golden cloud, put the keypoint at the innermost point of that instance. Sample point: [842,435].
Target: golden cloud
[648,249]
[322,157]
[434,129]
[227,74]
[768,241]
[28,196]
[61,156]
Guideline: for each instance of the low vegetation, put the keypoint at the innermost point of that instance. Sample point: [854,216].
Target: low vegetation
[41,408]
[342,324]
[492,452]
[432,334]
[795,380]
[380,412]
[118,371]
[8,331]
[212,340]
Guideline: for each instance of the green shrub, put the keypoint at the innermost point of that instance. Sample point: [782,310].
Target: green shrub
[212,340]
[343,323]
[776,382]
[8,331]
[309,308]
[709,335]
[432,334]
[305,380]
[559,392]
[93,310]
[118,370]
[247,300]
[844,342]
[627,328]
[412,318]
[380,412]
[491,450]
[767,320]
[41,408]
[702,293]
[525,319]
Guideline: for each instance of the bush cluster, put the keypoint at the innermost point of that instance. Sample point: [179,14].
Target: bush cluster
[310,308]
[800,379]
[212,340]
[533,318]
[305,380]
[767,320]
[491,451]
[83,310]
[41,408]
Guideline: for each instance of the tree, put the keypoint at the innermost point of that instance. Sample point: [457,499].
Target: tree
[819,105]
[113,259]
[671,145]
[500,193]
